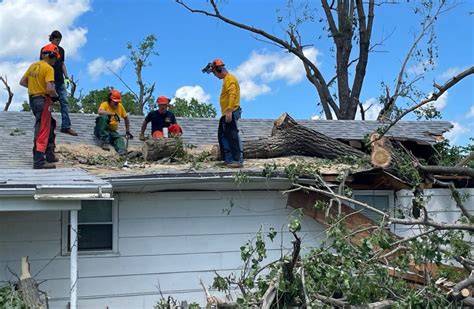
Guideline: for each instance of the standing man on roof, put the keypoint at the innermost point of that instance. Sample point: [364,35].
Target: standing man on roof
[61,81]
[161,118]
[106,125]
[230,144]
[39,79]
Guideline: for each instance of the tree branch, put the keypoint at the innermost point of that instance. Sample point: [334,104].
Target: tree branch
[10,93]
[442,89]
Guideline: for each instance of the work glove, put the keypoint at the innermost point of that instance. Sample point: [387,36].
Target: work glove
[55,99]
[67,82]
[142,137]
[129,135]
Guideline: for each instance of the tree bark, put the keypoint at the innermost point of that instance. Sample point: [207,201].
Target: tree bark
[289,138]
[447,170]
[156,149]
[10,93]
[28,287]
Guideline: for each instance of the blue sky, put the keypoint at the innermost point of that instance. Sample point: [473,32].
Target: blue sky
[272,81]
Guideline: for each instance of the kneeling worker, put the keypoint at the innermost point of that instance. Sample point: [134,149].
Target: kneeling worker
[161,118]
[106,125]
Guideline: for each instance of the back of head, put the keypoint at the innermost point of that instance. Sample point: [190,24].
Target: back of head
[55,35]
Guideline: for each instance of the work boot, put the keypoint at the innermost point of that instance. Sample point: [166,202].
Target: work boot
[46,165]
[53,159]
[69,131]
[105,146]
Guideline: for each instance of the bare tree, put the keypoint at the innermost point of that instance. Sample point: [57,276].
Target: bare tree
[139,56]
[348,22]
[10,93]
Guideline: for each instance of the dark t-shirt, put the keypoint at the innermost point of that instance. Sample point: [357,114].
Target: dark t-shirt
[159,121]
[58,67]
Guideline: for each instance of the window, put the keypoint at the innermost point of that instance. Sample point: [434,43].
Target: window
[382,200]
[97,227]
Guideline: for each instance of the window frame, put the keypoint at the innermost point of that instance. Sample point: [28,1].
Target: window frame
[389,193]
[64,234]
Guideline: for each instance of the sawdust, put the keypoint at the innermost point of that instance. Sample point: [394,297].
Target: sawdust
[109,163]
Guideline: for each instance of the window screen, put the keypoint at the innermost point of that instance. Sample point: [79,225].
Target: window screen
[377,201]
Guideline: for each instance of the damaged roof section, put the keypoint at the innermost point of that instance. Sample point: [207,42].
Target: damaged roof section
[16,132]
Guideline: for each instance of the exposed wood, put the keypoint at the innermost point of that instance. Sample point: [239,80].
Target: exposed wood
[380,155]
[289,138]
[466,160]
[461,289]
[28,287]
[156,149]
[382,304]
[269,296]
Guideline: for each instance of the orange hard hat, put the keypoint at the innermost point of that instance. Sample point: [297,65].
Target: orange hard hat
[115,96]
[162,100]
[51,49]
[217,63]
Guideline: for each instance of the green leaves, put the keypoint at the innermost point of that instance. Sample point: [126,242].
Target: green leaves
[193,108]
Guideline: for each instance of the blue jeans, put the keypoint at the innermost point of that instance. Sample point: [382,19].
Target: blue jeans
[65,121]
[230,144]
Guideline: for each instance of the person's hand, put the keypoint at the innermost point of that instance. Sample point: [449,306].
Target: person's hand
[228,115]
[67,82]
[142,137]
[129,135]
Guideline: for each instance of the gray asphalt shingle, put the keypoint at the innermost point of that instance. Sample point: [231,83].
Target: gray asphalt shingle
[16,151]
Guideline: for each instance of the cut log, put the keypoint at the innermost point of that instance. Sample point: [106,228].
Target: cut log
[156,149]
[289,138]
[28,287]
[447,170]
[380,155]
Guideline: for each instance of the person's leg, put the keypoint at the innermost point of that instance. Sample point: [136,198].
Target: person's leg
[102,131]
[232,134]
[42,130]
[224,146]
[50,155]
[117,141]
[64,104]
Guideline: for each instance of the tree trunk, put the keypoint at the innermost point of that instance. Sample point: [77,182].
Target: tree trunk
[447,170]
[289,138]
[156,149]
[28,287]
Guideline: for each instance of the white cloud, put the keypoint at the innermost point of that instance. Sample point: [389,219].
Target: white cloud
[26,25]
[249,90]
[190,92]
[441,102]
[262,68]
[455,132]
[470,114]
[100,66]
[315,117]
[372,108]
[13,71]
[450,73]
[421,67]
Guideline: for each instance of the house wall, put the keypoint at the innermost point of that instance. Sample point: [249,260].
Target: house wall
[166,241]
[440,205]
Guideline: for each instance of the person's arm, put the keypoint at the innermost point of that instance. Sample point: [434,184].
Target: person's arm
[143,129]
[66,76]
[24,81]
[51,90]
[127,125]
[232,104]
[103,112]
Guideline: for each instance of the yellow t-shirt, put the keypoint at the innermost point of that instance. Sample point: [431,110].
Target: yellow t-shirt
[119,110]
[39,73]
[230,93]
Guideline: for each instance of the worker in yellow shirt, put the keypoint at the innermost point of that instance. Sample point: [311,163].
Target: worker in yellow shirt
[106,125]
[39,79]
[230,144]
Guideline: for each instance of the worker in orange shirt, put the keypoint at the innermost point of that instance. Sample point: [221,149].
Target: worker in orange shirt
[230,144]
[39,79]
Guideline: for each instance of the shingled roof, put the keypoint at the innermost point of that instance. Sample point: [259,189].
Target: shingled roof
[16,132]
